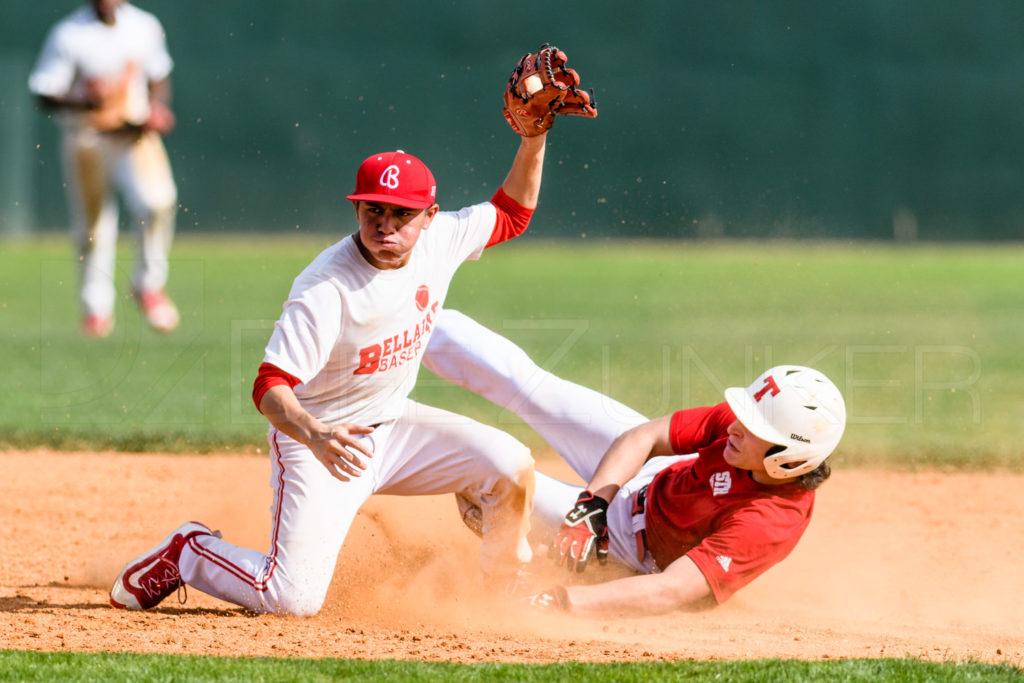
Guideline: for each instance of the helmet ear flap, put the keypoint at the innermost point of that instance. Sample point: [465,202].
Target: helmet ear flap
[776,468]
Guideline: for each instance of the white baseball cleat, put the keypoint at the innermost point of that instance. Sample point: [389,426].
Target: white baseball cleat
[149,578]
[159,310]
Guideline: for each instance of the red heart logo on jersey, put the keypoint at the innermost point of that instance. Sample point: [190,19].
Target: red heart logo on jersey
[422,297]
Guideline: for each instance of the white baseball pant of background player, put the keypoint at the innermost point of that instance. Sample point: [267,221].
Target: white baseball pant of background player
[579,423]
[95,165]
[79,50]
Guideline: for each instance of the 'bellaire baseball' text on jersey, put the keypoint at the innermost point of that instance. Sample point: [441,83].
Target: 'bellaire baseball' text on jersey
[732,527]
[354,335]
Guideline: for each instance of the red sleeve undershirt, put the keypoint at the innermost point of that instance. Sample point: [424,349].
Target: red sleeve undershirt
[269,376]
[694,428]
[512,219]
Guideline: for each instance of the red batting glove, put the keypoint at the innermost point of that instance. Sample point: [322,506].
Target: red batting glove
[583,533]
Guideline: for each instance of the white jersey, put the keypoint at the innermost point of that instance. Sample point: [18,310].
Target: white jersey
[355,335]
[81,48]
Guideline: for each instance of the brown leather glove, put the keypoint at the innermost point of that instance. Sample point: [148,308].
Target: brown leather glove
[540,88]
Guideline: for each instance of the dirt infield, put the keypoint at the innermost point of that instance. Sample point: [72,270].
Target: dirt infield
[894,564]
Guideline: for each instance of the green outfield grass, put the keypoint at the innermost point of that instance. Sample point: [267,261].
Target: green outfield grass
[924,341]
[38,666]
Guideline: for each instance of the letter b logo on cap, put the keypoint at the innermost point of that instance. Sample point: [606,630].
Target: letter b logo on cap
[389,178]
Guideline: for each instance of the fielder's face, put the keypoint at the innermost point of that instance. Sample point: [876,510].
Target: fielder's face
[388,232]
[746,451]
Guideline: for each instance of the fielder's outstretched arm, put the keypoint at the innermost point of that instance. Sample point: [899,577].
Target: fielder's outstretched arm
[523,181]
[681,586]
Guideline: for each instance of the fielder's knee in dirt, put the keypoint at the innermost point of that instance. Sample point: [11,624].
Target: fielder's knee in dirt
[303,597]
[505,504]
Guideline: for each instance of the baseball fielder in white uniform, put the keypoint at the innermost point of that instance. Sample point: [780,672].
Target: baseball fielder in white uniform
[105,70]
[334,385]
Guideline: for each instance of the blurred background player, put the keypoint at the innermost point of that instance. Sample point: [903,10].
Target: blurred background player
[698,503]
[104,69]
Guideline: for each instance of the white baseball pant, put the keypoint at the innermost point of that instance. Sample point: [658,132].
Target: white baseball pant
[427,451]
[96,167]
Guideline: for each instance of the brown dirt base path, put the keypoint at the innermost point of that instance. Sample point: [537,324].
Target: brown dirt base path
[894,564]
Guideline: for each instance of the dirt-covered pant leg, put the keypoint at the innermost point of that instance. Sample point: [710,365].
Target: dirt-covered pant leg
[87,162]
[436,452]
[97,166]
[143,175]
[553,499]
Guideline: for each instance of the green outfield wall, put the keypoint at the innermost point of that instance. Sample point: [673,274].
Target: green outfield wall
[869,119]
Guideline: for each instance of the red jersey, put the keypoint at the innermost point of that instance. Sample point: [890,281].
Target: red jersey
[732,528]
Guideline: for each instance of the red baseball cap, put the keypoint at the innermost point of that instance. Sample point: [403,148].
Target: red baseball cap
[395,178]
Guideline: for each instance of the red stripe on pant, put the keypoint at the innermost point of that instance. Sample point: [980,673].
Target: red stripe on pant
[231,567]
